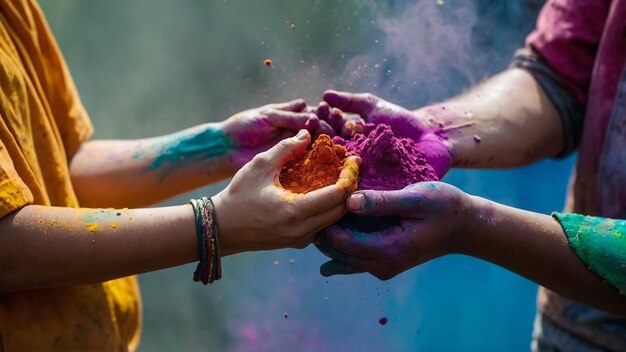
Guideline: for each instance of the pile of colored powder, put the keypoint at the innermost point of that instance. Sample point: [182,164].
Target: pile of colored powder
[389,163]
[315,168]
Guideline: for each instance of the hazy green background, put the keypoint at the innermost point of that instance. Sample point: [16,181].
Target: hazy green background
[149,67]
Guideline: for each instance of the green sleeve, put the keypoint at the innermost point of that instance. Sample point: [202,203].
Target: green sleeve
[600,243]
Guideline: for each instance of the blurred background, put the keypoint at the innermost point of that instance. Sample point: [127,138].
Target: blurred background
[150,67]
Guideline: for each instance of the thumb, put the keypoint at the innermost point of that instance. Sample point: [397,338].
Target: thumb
[286,150]
[404,203]
[358,103]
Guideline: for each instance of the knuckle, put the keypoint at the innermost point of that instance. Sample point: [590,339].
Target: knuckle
[261,160]
[288,213]
[370,98]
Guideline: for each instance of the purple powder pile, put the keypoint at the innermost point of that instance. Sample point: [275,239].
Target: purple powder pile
[389,163]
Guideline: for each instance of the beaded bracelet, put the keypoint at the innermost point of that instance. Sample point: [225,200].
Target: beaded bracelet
[209,268]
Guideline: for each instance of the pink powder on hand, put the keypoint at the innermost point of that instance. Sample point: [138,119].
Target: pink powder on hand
[389,163]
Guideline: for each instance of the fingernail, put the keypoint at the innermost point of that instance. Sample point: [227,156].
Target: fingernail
[356,202]
[301,135]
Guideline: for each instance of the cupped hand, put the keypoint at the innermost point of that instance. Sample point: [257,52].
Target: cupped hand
[256,130]
[403,123]
[255,212]
[413,225]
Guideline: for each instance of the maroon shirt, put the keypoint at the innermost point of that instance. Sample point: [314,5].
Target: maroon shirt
[584,43]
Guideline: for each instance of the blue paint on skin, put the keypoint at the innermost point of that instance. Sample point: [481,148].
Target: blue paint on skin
[193,147]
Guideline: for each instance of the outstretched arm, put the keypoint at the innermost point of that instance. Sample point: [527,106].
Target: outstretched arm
[137,173]
[506,121]
[435,219]
[51,246]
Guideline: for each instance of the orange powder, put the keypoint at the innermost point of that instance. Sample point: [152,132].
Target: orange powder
[315,168]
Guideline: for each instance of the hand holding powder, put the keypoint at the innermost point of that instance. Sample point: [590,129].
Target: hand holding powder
[389,163]
[315,168]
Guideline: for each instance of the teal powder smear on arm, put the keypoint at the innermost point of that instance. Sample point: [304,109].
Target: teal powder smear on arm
[205,144]
[600,243]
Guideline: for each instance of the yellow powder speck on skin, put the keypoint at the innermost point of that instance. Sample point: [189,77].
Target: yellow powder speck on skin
[41,222]
[289,196]
[113,225]
[92,227]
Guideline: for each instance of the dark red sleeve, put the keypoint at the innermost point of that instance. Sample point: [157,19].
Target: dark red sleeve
[566,38]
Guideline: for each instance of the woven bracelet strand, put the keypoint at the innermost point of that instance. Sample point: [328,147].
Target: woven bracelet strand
[209,268]
[216,258]
[202,252]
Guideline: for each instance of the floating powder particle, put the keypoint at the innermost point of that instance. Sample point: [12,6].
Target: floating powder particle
[315,168]
[389,163]
[383,320]
[267,62]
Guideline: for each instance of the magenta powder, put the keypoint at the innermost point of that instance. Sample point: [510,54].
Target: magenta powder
[389,163]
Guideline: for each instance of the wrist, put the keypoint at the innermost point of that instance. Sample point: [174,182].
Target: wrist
[435,137]
[447,123]
[480,218]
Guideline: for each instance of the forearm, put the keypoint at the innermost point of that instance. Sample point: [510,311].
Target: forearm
[137,173]
[51,247]
[535,246]
[507,121]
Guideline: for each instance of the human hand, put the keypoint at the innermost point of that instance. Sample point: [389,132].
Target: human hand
[410,226]
[255,212]
[333,121]
[256,130]
[403,123]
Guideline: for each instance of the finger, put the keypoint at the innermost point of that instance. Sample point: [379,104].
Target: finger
[293,120]
[336,119]
[359,103]
[316,222]
[349,176]
[283,151]
[406,202]
[352,243]
[346,129]
[323,110]
[296,105]
[354,124]
[324,129]
[321,199]
[334,267]
[336,254]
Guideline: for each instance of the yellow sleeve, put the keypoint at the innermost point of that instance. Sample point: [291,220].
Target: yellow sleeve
[14,193]
[72,119]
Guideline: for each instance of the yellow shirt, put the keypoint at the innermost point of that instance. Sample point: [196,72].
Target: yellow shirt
[42,124]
